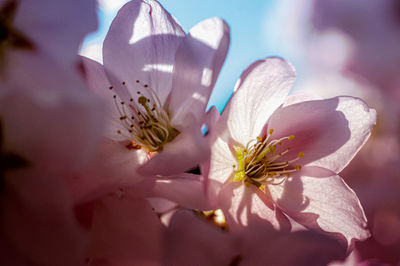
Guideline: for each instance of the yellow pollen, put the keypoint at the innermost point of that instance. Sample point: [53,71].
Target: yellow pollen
[263,162]
[270,131]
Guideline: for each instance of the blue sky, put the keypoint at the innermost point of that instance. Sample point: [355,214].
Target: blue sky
[252,36]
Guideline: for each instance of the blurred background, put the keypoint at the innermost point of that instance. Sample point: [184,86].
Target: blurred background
[338,47]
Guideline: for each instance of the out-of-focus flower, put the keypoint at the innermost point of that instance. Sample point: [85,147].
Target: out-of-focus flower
[374,29]
[271,159]
[375,176]
[50,129]
[157,87]
[44,27]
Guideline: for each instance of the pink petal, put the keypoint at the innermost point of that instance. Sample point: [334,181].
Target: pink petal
[114,168]
[329,132]
[261,89]
[57,28]
[243,205]
[125,230]
[38,220]
[198,62]
[141,45]
[185,152]
[186,189]
[322,201]
[191,241]
[222,162]
[262,245]
[161,205]
[97,82]
[301,97]
[48,116]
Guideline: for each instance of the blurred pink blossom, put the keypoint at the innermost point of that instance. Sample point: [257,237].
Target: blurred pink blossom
[374,29]
[50,127]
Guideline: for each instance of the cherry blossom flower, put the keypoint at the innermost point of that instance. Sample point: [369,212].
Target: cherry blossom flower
[156,81]
[273,156]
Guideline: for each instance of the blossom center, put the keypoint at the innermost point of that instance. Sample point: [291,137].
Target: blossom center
[260,164]
[144,121]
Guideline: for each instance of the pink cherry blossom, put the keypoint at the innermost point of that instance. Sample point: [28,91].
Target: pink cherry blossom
[156,81]
[272,160]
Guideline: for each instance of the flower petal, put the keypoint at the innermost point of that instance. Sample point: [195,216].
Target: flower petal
[186,189]
[97,82]
[48,115]
[204,245]
[38,220]
[141,45]
[328,132]
[261,89]
[261,247]
[198,62]
[222,163]
[242,205]
[57,28]
[321,200]
[114,168]
[125,230]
